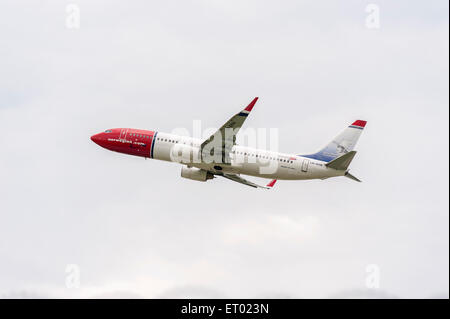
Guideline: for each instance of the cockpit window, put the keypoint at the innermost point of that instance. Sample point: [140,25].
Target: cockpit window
[108,131]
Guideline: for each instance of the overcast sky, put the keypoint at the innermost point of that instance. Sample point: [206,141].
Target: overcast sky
[135,228]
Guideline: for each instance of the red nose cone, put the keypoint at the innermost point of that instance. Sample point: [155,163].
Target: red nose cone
[96,138]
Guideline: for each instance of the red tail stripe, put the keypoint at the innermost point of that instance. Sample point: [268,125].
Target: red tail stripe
[360,123]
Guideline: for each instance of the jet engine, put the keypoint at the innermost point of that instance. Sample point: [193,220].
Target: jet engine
[196,174]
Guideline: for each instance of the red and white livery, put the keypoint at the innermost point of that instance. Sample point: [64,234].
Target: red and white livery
[219,155]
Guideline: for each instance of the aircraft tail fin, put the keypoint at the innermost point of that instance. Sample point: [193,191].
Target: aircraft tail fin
[342,144]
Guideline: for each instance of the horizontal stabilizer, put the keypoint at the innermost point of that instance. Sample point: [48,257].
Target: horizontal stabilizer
[352,177]
[342,162]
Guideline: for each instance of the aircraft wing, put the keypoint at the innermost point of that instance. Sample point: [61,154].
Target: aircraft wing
[218,146]
[237,178]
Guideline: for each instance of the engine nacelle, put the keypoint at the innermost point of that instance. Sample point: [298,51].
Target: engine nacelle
[196,174]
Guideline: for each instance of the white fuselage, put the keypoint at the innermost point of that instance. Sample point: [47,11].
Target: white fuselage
[244,160]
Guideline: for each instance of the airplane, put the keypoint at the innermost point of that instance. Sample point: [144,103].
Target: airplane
[219,155]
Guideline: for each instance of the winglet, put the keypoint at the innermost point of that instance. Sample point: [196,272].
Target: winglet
[272,183]
[251,105]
